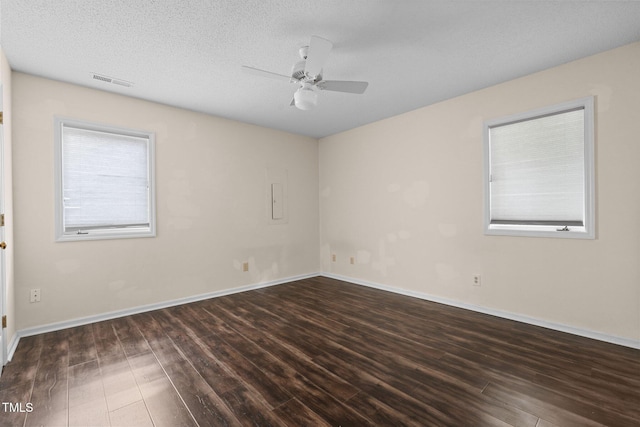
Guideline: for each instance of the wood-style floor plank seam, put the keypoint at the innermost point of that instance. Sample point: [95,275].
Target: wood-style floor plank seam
[166,375]
[319,352]
[242,387]
[286,356]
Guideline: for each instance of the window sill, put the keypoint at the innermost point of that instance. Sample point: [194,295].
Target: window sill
[105,235]
[542,231]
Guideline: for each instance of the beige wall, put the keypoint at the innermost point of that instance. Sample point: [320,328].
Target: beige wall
[5,78]
[211,208]
[405,196]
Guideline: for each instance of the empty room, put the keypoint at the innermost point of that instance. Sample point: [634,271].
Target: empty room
[320,213]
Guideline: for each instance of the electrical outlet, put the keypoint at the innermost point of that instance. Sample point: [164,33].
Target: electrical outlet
[477,280]
[35,295]
[333,257]
[245,266]
[352,260]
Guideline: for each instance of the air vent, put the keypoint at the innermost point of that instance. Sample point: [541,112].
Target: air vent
[111,80]
[103,78]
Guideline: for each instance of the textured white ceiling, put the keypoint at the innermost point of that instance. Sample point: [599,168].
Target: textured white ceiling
[188,53]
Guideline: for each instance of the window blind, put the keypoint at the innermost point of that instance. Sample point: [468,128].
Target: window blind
[537,170]
[105,179]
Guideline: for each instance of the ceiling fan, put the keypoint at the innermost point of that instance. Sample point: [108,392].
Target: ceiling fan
[307,73]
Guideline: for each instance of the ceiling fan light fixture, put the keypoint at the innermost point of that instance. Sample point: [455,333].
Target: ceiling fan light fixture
[305,98]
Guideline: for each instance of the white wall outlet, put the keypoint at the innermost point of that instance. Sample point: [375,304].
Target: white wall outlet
[352,260]
[35,295]
[333,257]
[477,280]
[245,266]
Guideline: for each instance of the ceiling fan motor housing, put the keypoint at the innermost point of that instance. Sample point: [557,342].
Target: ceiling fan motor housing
[297,73]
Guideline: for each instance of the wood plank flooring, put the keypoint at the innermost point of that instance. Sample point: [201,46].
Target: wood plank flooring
[318,352]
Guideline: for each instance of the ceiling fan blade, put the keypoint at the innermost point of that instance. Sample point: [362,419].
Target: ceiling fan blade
[343,86]
[317,55]
[268,74]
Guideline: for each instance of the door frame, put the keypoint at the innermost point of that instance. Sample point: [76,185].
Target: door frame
[3,269]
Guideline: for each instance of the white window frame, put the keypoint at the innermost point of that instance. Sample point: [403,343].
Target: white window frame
[100,233]
[587,231]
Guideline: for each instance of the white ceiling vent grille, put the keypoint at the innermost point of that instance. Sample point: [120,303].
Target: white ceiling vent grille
[111,80]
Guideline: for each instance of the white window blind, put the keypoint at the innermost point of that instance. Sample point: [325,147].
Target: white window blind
[537,170]
[539,173]
[104,182]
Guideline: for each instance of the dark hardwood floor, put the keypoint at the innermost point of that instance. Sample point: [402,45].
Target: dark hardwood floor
[318,352]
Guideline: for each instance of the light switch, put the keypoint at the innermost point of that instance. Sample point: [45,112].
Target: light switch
[277,202]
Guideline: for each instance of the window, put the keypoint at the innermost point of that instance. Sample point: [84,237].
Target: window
[539,172]
[104,182]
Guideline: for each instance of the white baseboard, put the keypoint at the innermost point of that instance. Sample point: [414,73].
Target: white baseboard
[13,344]
[144,308]
[498,313]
